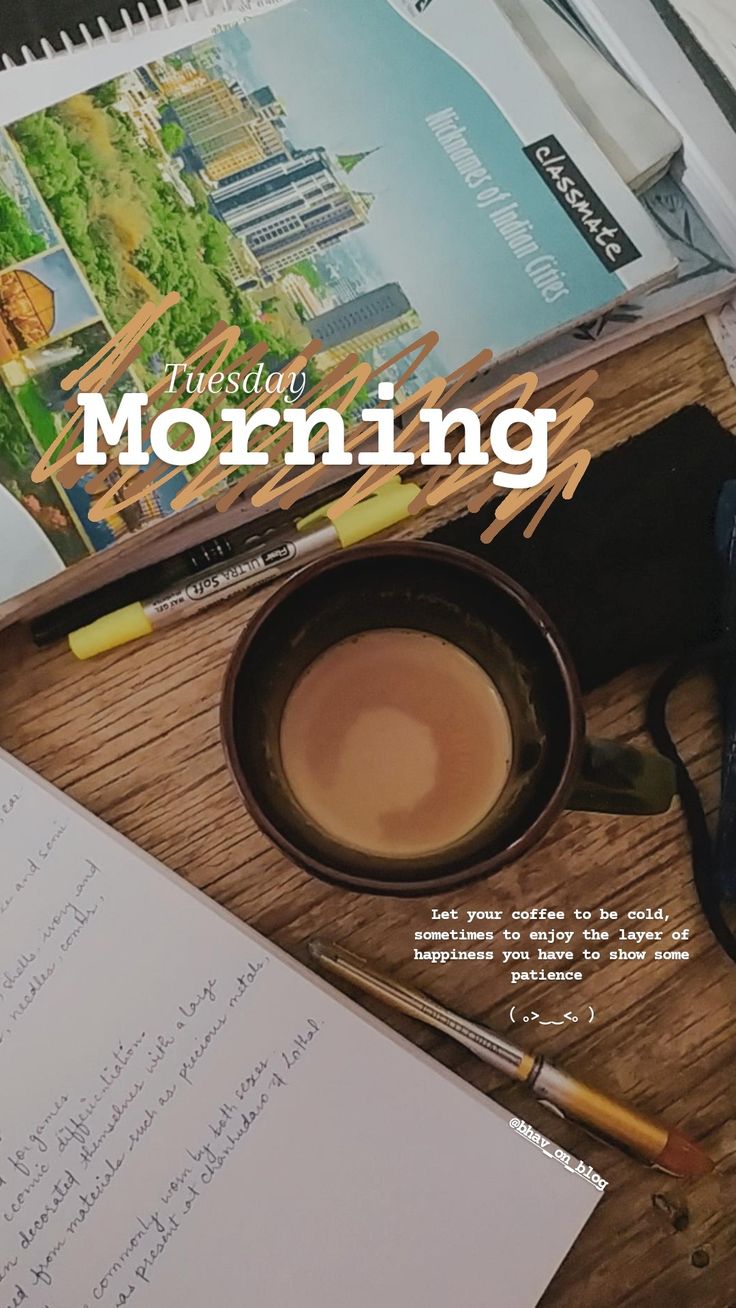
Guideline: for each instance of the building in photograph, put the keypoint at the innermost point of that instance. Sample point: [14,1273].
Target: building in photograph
[27,312]
[241,266]
[290,206]
[228,131]
[269,105]
[147,510]
[298,290]
[345,288]
[206,56]
[363,323]
[138,102]
[172,80]
[350,161]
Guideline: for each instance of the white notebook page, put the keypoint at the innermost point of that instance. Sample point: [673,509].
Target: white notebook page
[714,24]
[189,1119]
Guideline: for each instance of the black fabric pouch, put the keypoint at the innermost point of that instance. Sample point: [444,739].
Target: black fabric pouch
[627,569]
[629,572]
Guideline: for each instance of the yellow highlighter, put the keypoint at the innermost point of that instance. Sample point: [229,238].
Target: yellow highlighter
[312,538]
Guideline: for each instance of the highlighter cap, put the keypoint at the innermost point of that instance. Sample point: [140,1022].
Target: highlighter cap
[388,506]
[106,633]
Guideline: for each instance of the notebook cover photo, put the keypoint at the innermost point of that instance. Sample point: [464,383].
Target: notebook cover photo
[425,176]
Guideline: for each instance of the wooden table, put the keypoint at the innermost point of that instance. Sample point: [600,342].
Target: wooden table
[134,737]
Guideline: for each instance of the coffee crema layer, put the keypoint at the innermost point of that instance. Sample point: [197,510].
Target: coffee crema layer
[396,742]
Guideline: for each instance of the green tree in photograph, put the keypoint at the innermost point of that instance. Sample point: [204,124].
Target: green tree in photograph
[106,94]
[17,240]
[14,443]
[173,137]
[131,232]
[214,240]
[306,269]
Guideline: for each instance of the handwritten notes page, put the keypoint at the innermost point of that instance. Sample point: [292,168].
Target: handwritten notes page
[187,1118]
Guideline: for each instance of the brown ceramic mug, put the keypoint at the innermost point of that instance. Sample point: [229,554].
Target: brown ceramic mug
[450,594]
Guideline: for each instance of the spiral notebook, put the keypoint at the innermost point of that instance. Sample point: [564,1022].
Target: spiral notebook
[190,1117]
[221,170]
[38,29]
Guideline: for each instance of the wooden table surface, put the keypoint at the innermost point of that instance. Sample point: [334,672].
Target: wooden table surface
[134,737]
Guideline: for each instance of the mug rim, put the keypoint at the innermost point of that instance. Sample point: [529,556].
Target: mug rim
[481,868]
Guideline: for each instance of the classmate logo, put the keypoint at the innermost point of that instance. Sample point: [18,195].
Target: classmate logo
[421,5]
[605,236]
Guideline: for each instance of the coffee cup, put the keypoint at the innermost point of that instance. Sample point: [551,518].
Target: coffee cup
[448,597]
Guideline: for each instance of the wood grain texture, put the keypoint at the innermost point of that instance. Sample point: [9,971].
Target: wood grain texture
[134,737]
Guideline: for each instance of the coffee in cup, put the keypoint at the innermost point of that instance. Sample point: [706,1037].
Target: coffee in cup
[403,719]
[396,742]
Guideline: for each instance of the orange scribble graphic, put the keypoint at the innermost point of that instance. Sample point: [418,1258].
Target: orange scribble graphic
[117,486]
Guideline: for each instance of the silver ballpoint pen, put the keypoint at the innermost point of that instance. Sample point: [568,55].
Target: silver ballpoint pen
[644,1138]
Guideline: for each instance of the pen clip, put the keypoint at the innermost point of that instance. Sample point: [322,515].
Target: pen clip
[553,1108]
[574,1121]
[599,1137]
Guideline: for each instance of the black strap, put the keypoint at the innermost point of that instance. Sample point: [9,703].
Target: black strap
[700,841]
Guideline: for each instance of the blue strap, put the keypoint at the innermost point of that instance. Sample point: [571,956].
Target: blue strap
[701,846]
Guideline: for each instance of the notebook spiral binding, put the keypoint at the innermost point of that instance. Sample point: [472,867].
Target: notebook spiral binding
[154,13]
